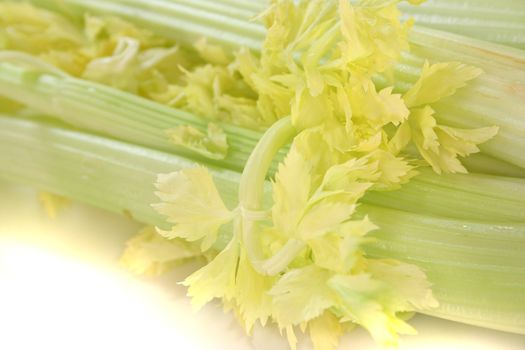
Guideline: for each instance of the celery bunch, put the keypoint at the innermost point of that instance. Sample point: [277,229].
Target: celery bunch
[330,107]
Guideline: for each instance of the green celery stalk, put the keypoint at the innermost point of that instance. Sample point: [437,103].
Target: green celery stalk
[477,267]
[501,22]
[418,196]
[112,112]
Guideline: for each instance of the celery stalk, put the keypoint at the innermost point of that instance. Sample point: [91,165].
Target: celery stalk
[476,267]
[116,113]
[501,22]
[131,118]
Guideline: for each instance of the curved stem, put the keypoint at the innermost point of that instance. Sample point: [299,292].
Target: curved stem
[251,191]
[252,180]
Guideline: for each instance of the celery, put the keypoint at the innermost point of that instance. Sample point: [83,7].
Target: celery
[116,113]
[494,99]
[476,266]
[311,82]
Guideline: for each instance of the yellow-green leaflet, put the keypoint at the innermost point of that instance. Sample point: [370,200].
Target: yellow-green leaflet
[325,331]
[212,145]
[148,253]
[439,145]
[304,254]
[192,203]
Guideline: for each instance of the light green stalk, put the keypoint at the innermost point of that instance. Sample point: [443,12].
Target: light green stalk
[477,267]
[125,116]
[115,113]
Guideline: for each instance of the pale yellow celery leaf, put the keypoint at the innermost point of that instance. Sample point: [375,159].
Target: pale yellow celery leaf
[311,30]
[373,37]
[376,108]
[271,240]
[316,51]
[345,107]
[353,47]
[339,139]
[278,96]
[108,30]
[409,288]
[265,106]
[167,61]
[439,80]
[217,93]
[216,279]
[173,95]
[70,61]
[312,144]
[357,228]
[464,141]
[359,301]
[301,295]
[240,111]
[148,253]
[105,34]
[308,111]
[440,145]
[246,64]
[423,125]
[198,91]
[394,171]
[252,298]
[322,218]
[211,53]
[211,145]
[325,331]
[360,114]
[192,203]
[368,142]
[339,251]
[93,27]
[36,30]
[52,203]
[291,191]
[120,70]
[291,337]
[400,139]
[42,33]
[153,84]
[354,177]
[281,20]
[334,252]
